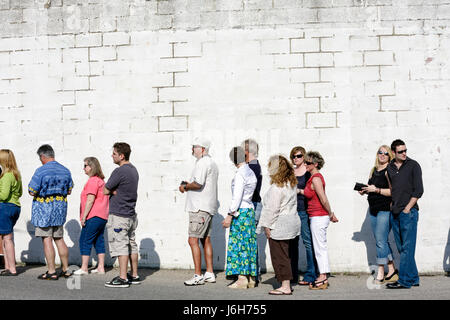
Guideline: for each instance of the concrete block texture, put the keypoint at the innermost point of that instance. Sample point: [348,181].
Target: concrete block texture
[342,77]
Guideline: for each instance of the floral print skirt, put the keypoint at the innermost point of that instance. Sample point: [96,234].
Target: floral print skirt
[242,250]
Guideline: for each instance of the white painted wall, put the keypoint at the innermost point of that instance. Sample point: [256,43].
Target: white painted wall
[341,77]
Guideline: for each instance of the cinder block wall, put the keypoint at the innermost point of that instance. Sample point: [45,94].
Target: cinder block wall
[338,76]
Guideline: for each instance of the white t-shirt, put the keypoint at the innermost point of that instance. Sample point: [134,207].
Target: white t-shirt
[206,174]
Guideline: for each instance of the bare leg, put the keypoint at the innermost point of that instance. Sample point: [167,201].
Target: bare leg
[208,250]
[134,264]
[49,253]
[63,252]
[196,255]
[123,266]
[85,263]
[10,256]
[101,262]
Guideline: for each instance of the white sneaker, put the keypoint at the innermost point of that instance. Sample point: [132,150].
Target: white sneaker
[80,272]
[209,277]
[195,281]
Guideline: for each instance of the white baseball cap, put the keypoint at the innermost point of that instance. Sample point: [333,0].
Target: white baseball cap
[205,143]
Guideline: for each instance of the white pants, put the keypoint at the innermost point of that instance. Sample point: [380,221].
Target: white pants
[319,226]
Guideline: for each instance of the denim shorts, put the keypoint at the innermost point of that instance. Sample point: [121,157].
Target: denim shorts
[9,213]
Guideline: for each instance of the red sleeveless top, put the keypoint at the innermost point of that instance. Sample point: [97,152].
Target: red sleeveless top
[315,208]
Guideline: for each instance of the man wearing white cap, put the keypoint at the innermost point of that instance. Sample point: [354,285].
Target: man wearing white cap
[202,204]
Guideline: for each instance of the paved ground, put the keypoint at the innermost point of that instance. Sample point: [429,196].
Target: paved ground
[168,285]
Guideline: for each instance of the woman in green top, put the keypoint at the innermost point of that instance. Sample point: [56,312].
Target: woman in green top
[10,192]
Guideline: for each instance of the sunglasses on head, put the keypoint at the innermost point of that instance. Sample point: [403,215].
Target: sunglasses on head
[402,151]
[385,153]
[298,156]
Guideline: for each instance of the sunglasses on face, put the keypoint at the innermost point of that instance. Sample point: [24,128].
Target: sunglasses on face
[309,163]
[86,165]
[385,153]
[402,151]
[298,156]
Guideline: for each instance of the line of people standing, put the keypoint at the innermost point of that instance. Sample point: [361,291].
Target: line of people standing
[109,205]
[278,216]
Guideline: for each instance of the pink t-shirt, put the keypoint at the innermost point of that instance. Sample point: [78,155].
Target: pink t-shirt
[100,207]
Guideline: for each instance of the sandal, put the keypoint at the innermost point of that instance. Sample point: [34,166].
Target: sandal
[7,273]
[303,283]
[66,274]
[319,285]
[278,292]
[48,276]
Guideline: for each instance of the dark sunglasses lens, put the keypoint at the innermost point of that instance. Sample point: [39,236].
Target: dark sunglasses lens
[298,156]
[385,153]
[402,151]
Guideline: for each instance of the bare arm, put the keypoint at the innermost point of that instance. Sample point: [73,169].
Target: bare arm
[190,186]
[318,187]
[89,203]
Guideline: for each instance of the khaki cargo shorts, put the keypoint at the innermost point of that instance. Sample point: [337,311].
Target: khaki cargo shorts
[199,224]
[54,232]
[122,235]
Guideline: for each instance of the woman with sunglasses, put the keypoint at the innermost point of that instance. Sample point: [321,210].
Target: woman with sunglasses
[379,197]
[297,156]
[94,210]
[320,215]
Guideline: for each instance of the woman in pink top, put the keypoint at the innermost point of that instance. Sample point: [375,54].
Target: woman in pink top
[93,216]
[320,215]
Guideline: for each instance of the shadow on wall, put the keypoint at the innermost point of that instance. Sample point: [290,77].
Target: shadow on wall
[446,263]
[366,235]
[148,254]
[218,240]
[35,252]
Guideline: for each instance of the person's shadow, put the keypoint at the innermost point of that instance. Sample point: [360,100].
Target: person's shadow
[35,253]
[366,235]
[218,240]
[148,257]
[73,229]
[446,262]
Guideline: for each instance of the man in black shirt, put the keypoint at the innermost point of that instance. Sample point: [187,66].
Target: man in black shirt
[405,177]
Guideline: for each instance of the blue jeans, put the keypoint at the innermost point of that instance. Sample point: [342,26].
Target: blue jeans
[92,234]
[381,225]
[404,226]
[305,232]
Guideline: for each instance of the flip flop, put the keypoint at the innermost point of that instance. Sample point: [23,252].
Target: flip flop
[48,276]
[66,274]
[7,273]
[277,292]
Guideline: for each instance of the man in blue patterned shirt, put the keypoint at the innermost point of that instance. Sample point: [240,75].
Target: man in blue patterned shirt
[49,187]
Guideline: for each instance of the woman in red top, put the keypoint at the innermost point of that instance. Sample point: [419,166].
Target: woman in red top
[320,215]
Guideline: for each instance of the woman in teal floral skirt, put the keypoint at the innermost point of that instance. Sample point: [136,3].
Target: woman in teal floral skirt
[242,250]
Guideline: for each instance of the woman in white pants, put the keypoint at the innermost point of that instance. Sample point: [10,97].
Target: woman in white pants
[320,215]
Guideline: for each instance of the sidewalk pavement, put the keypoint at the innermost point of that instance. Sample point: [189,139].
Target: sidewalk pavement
[169,285]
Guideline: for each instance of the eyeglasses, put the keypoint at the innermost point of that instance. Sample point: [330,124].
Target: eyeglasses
[309,163]
[298,156]
[402,151]
[385,153]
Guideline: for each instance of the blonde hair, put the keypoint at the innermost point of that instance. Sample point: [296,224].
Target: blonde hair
[96,169]
[8,163]
[281,171]
[377,163]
